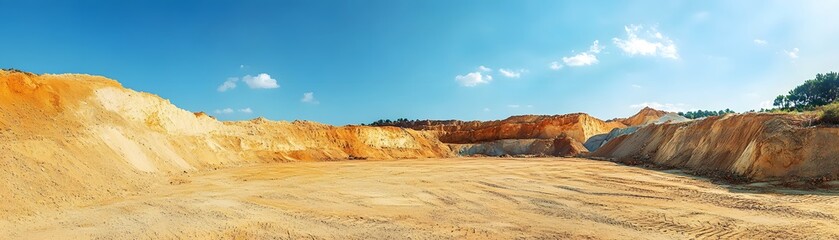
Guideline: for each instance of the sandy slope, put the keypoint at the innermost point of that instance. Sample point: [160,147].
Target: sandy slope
[645,116]
[83,157]
[754,146]
[72,139]
[441,198]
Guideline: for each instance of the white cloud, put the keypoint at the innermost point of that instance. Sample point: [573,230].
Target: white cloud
[242,66]
[231,111]
[482,76]
[792,54]
[513,106]
[582,59]
[511,73]
[224,111]
[309,97]
[262,80]
[652,43]
[486,110]
[227,85]
[760,42]
[636,86]
[473,79]
[678,107]
[529,106]
[556,65]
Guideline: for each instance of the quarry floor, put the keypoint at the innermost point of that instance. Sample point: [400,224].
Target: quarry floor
[461,198]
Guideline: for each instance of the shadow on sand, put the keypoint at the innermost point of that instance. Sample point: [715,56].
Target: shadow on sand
[736,184]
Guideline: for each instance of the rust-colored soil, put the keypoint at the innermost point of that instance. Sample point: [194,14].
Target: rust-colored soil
[579,126]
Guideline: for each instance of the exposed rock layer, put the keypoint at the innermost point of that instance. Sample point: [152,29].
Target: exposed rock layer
[503,147]
[754,146]
[579,126]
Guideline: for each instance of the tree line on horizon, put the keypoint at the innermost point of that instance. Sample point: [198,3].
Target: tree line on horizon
[820,95]
[820,91]
[387,122]
[704,113]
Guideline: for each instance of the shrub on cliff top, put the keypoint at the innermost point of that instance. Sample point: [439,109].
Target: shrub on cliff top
[831,113]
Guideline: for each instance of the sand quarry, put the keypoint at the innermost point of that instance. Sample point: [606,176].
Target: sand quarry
[81,157]
[459,198]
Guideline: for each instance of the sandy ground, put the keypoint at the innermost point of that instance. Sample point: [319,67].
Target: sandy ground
[463,198]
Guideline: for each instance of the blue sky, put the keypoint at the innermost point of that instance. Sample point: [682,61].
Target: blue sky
[345,62]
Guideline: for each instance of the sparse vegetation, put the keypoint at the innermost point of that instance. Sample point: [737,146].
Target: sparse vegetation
[830,113]
[818,97]
[704,113]
[400,122]
[14,70]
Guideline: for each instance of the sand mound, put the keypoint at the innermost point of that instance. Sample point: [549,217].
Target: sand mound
[646,116]
[597,141]
[70,139]
[564,146]
[754,146]
[671,118]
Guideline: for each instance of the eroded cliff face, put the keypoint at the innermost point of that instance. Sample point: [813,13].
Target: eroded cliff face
[754,146]
[561,146]
[71,138]
[579,126]
[535,135]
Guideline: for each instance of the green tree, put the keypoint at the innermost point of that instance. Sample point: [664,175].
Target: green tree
[822,90]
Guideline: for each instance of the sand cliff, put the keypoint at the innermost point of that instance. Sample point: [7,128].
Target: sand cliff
[578,126]
[72,138]
[534,134]
[754,146]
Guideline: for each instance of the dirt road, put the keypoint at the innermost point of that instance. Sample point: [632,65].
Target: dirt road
[459,198]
